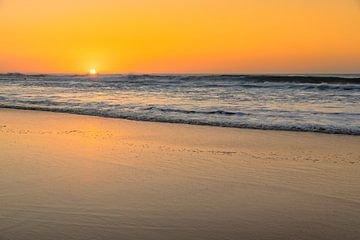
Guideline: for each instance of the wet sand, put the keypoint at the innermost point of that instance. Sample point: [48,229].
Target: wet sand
[66,176]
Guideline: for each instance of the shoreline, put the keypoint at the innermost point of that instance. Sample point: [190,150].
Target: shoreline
[175,122]
[85,177]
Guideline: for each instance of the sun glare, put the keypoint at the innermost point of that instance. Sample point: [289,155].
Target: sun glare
[92,72]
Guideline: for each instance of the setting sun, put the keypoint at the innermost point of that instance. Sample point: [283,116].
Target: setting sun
[92,72]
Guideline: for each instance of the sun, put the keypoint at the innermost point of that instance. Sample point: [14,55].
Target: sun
[92,72]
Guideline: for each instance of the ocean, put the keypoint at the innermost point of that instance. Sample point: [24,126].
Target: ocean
[321,103]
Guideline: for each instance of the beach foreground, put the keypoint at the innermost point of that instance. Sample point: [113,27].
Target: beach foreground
[68,176]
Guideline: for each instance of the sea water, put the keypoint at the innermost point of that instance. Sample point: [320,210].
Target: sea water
[328,104]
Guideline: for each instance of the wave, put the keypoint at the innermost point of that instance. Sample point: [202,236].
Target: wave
[215,112]
[16,74]
[260,78]
[164,118]
[339,79]
[305,79]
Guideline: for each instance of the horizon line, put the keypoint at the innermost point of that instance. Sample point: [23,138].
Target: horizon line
[183,73]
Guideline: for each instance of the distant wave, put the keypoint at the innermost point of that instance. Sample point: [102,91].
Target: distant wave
[260,78]
[306,79]
[15,74]
[340,79]
[24,75]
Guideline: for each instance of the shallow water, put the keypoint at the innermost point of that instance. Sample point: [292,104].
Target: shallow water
[328,104]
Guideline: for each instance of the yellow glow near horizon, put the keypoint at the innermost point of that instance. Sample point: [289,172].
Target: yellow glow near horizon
[92,72]
[161,36]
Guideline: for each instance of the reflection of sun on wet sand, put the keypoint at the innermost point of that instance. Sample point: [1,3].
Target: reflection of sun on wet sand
[77,177]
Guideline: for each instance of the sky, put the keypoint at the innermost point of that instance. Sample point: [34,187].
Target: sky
[180,36]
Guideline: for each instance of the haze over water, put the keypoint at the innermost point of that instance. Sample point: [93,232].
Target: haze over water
[328,104]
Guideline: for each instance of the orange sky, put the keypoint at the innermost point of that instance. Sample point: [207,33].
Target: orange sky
[173,36]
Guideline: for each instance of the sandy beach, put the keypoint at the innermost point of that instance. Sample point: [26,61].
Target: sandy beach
[66,176]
